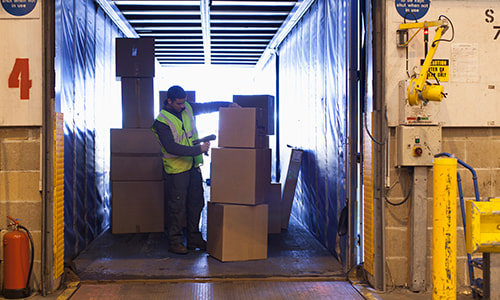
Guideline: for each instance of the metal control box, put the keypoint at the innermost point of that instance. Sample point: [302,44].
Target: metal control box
[417,145]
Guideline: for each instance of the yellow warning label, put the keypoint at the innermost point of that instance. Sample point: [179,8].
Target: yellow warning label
[440,69]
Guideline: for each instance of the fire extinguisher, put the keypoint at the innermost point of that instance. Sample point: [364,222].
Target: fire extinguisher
[17,263]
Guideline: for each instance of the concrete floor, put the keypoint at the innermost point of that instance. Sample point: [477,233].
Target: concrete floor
[294,253]
[138,266]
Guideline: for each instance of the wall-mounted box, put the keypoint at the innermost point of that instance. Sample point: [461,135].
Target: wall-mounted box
[135,57]
[417,145]
[482,222]
[266,102]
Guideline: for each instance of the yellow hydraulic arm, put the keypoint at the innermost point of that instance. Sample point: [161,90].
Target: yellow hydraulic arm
[419,89]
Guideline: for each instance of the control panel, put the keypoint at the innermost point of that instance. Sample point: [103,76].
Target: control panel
[417,145]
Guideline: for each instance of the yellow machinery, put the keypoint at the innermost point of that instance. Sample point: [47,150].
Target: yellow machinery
[482,226]
[419,89]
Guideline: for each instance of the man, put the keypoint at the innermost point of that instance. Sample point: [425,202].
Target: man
[176,130]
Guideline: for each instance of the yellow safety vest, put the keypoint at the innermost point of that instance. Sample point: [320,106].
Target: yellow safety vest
[174,164]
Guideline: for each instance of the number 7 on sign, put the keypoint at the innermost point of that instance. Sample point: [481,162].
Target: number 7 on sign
[21,69]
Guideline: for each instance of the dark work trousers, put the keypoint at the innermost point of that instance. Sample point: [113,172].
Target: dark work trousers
[184,201]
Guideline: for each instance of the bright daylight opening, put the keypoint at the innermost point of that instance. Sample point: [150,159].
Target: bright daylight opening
[210,83]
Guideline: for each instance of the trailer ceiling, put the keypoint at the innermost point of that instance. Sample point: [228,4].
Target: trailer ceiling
[218,32]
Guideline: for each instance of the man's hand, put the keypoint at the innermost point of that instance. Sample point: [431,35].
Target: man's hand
[205,147]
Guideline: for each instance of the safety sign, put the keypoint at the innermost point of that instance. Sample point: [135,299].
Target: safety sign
[412,9]
[18,8]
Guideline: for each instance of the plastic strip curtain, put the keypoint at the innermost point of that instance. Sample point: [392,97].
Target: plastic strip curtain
[313,116]
[84,67]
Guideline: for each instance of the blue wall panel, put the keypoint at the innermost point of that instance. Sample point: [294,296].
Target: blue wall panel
[83,64]
[313,116]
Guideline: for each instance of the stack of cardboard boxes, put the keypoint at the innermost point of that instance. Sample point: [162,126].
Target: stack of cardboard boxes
[136,165]
[238,211]
[274,194]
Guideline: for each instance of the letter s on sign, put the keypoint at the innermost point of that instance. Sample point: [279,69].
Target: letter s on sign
[489,14]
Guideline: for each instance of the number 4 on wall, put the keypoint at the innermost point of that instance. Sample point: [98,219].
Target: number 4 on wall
[20,77]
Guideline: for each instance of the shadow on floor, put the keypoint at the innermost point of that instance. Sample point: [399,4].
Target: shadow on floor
[293,253]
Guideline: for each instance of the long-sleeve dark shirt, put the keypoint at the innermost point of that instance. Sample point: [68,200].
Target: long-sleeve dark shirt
[167,138]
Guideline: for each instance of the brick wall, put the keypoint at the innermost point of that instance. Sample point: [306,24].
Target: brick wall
[20,184]
[477,147]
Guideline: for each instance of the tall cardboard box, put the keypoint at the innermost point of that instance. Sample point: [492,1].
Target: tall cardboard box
[133,141]
[135,155]
[240,176]
[237,232]
[242,128]
[137,206]
[136,167]
[273,200]
[137,102]
[266,102]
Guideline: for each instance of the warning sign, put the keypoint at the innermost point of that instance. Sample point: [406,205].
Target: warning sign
[440,69]
[15,9]
[412,9]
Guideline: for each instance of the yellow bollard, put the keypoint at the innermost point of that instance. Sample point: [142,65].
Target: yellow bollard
[444,232]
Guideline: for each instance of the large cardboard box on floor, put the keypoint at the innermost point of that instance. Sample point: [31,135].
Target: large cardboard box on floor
[137,206]
[242,128]
[240,176]
[273,199]
[237,232]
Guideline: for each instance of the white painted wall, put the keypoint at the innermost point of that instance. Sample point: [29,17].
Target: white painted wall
[474,81]
[21,38]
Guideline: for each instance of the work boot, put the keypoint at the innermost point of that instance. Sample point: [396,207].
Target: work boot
[178,249]
[201,244]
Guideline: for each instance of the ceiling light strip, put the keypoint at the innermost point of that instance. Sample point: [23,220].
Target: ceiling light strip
[205,28]
[157,2]
[254,3]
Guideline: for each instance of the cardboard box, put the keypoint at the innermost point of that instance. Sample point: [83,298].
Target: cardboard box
[137,103]
[134,141]
[137,206]
[135,57]
[237,232]
[242,128]
[240,176]
[136,167]
[290,185]
[266,102]
[273,200]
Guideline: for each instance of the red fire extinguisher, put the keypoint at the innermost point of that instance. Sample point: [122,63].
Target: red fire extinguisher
[17,263]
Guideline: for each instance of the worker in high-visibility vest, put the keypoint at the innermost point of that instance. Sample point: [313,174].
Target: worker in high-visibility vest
[176,130]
